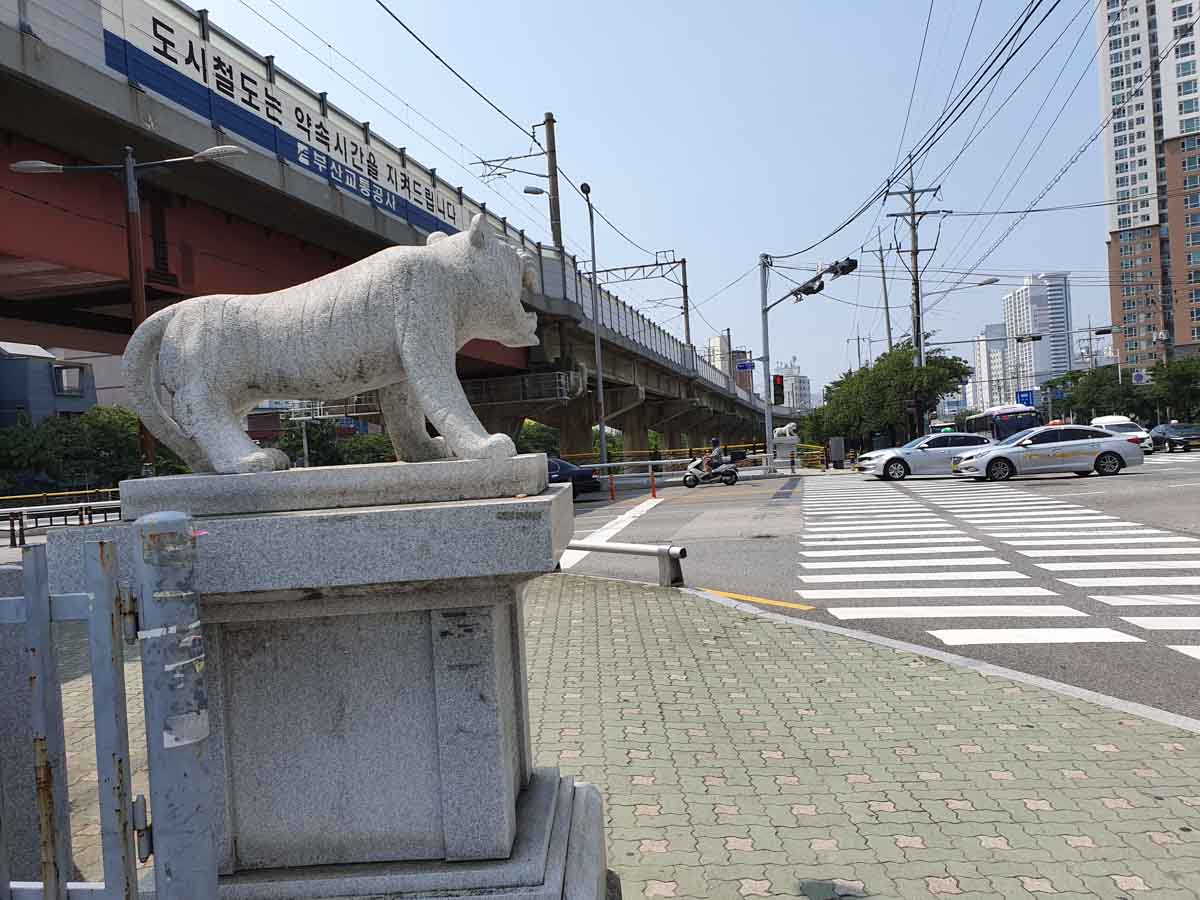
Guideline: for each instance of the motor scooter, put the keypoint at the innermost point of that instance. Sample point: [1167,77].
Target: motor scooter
[726,473]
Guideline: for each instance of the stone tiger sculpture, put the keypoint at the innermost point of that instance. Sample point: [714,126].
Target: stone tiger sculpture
[392,322]
[787,431]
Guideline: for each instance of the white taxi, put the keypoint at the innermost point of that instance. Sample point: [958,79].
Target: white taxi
[1055,448]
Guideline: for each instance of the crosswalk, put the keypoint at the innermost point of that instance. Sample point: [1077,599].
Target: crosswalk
[1004,561]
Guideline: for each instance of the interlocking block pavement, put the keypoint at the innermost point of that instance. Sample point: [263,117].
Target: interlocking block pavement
[746,757]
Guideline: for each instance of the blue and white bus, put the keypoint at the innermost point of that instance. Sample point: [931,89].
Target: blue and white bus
[999,422]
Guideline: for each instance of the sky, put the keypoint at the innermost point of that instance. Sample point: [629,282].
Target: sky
[722,131]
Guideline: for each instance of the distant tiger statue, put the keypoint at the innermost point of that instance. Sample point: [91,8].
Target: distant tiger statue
[787,431]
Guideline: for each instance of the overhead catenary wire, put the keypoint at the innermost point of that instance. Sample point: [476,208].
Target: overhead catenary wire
[966,97]
[521,128]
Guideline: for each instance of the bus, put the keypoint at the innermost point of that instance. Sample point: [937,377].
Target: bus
[999,422]
[940,426]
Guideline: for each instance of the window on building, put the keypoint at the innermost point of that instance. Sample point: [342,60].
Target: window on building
[1187,87]
[1187,48]
[1196,334]
[1184,69]
[68,380]
[1190,105]
[1195,315]
[1179,13]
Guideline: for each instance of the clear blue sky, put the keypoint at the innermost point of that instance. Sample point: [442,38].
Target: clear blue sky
[722,130]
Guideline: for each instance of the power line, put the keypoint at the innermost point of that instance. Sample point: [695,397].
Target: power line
[1091,139]
[913,92]
[965,99]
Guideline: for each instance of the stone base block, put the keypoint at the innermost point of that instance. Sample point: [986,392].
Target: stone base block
[336,487]
[558,854]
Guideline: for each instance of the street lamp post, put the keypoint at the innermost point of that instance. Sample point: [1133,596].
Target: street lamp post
[128,170]
[586,190]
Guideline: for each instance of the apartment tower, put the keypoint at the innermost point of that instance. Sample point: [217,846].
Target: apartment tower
[1152,178]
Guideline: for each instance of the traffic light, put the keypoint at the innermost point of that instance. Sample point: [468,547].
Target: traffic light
[814,285]
[843,267]
[777,390]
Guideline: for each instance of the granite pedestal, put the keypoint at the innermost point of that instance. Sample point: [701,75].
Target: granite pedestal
[367,687]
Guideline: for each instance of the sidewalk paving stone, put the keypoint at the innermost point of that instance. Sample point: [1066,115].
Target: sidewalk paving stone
[744,757]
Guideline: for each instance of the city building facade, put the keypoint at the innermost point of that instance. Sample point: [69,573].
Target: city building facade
[34,385]
[1039,310]
[989,380]
[1152,178]
[716,351]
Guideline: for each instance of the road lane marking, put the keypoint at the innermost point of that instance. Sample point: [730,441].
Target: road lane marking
[1110,552]
[1147,599]
[1081,541]
[920,591]
[1010,527]
[953,612]
[958,637]
[1118,565]
[1164,623]
[887,563]
[890,542]
[1137,582]
[749,598]
[852,529]
[864,577]
[602,534]
[902,550]
[1193,652]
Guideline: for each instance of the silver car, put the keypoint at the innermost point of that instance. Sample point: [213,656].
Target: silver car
[926,455]
[1055,448]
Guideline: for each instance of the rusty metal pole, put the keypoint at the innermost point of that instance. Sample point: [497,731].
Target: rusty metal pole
[137,281]
[176,698]
[552,176]
[687,322]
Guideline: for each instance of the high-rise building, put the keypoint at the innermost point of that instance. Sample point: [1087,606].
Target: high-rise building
[988,385]
[1041,309]
[1151,155]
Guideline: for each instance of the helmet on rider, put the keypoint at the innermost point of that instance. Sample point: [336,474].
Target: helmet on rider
[716,442]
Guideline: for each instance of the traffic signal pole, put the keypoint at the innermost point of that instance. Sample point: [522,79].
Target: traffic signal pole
[763,262]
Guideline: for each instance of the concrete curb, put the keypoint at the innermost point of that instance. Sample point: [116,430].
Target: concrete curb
[1116,704]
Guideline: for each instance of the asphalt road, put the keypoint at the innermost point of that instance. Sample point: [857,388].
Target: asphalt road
[1090,581]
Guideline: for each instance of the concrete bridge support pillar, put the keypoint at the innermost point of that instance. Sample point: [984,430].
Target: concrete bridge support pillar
[674,439]
[574,422]
[636,430]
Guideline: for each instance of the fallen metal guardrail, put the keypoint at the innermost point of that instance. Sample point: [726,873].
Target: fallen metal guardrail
[26,517]
[670,572]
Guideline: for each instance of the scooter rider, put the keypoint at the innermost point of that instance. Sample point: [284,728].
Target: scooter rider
[714,457]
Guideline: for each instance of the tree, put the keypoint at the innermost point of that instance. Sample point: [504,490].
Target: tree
[322,443]
[534,437]
[365,448]
[960,418]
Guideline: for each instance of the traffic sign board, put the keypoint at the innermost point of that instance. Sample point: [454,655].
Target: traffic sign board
[1025,398]
[745,365]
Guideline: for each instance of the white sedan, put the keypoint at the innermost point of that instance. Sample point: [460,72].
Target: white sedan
[1055,448]
[926,455]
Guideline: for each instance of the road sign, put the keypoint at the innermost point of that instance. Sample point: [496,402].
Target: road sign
[745,365]
[1025,398]
[1060,394]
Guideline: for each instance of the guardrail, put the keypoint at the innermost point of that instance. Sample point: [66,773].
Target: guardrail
[24,518]
[79,496]
[670,572]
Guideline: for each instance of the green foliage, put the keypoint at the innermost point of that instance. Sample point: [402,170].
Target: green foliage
[535,437]
[322,442]
[1175,388]
[96,449]
[874,398]
[365,448]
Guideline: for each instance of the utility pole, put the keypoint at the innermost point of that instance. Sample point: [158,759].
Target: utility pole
[858,346]
[552,176]
[914,216]
[687,322]
[887,313]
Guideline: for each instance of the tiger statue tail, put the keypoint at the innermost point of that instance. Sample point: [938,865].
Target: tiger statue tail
[140,364]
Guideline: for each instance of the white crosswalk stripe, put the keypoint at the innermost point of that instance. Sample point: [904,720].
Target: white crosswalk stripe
[1164,623]
[889,563]
[953,551]
[1147,599]
[952,612]
[958,637]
